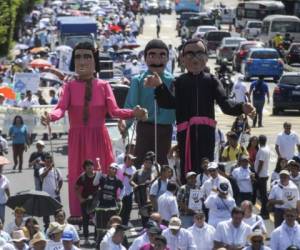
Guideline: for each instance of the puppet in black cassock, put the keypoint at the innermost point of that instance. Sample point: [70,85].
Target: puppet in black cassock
[193,98]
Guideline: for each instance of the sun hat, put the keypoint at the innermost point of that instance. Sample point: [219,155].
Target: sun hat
[55,228]
[256,233]
[67,236]
[18,236]
[37,238]
[175,223]
[223,187]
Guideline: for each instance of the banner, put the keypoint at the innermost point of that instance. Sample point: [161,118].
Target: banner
[32,119]
[26,81]
[290,197]
[195,202]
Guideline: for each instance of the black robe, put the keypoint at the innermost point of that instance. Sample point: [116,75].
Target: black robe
[195,95]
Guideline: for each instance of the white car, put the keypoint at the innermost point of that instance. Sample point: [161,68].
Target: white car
[252,29]
[202,29]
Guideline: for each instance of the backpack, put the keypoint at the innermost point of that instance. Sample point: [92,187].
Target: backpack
[258,89]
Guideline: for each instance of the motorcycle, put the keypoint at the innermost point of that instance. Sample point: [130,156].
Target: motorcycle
[227,83]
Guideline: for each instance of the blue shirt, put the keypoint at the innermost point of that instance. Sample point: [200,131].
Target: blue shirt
[53,101]
[138,94]
[260,89]
[18,134]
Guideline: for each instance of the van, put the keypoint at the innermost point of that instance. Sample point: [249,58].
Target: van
[213,38]
[282,24]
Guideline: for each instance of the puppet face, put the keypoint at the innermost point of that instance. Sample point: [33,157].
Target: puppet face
[195,57]
[84,63]
[156,60]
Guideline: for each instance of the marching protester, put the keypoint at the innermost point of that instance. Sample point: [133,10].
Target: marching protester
[257,239]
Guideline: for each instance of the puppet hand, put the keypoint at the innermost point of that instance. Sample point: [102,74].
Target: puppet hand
[140,113]
[153,81]
[249,110]
[45,119]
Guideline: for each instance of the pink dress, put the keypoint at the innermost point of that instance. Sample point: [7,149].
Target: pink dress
[91,140]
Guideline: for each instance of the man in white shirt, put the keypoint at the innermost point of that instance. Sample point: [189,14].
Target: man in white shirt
[240,90]
[202,232]
[28,101]
[286,142]
[261,166]
[244,176]
[177,237]
[113,239]
[159,186]
[283,195]
[124,174]
[211,185]
[151,228]
[232,234]
[51,182]
[167,203]
[288,233]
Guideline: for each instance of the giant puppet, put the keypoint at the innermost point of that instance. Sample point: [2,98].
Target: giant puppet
[195,93]
[87,100]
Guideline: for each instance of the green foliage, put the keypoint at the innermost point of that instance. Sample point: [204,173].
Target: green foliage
[11,16]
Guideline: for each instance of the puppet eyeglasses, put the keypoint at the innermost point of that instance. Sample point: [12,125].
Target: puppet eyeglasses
[200,55]
[83,56]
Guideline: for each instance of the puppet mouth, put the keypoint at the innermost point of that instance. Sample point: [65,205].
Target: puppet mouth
[156,65]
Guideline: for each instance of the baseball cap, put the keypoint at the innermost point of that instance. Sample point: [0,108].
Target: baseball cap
[175,223]
[223,187]
[67,236]
[114,165]
[212,165]
[284,172]
[189,174]
[154,230]
[40,142]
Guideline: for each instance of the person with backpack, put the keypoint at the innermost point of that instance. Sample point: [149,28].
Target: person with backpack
[159,186]
[259,90]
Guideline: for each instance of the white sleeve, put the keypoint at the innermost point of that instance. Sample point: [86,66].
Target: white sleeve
[272,194]
[277,140]
[209,202]
[234,174]
[297,139]
[192,244]
[154,188]
[219,233]
[174,207]
[274,244]
[96,180]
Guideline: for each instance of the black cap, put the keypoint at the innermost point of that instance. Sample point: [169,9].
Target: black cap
[150,224]
[121,228]
[154,230]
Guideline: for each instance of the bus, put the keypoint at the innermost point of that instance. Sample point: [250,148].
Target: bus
[256,10]
[188,6]
[280,24]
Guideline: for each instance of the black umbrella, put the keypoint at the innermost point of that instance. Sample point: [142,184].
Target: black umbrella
[36,203]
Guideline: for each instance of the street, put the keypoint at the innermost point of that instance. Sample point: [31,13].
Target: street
[272,125]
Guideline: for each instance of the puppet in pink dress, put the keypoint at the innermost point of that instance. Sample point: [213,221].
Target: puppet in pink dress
[90,140]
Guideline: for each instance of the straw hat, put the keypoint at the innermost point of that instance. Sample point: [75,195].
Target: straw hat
[257,233]
[55,228]
[18,236]
[37,238]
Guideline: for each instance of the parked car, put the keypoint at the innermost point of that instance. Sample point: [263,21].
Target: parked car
[242,52]
[213,38]
[190,26]
[252,29]
[262,62]
[152,6]
[165,6]
[202,29]
[227,48]
[184,16]
[286,94]
[293,54]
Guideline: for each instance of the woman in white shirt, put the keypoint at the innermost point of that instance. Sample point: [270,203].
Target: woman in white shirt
[219,205]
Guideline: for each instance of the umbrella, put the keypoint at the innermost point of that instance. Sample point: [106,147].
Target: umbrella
[36,203]
[115,28]
[38,50]
[21,46]
[3,160]
[47,76]
[40,63]
[8,92]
